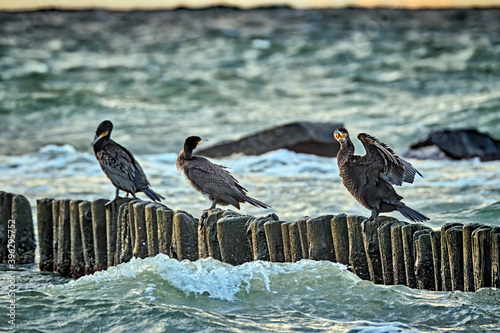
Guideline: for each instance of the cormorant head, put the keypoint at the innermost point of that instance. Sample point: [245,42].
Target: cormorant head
[103,130]
[192,142]
[341,134]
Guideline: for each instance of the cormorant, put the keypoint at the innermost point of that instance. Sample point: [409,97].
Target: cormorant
[211,179]
[119,165]
[369,178]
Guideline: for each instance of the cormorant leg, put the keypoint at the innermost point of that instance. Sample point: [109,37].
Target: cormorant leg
[214,203]
[116,197]
[372,217]
[205,212]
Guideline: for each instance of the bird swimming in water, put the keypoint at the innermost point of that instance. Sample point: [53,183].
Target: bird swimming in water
[119,165]
[369,178]
[211,179]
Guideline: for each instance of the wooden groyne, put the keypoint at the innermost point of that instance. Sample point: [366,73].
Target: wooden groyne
[80,237]
[17,236]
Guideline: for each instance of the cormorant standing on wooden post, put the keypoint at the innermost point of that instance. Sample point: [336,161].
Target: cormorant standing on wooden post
[369,178]
[211,179]
[119,165]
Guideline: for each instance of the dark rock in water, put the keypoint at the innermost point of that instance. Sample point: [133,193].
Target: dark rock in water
[457,144]
[301,137]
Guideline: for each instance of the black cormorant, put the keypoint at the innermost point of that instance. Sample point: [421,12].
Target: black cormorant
[211,179]
[369,178]
[119,165]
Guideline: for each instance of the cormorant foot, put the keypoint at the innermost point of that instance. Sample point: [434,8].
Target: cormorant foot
[205,214]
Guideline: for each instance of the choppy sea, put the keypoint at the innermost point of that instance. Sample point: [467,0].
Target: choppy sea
[221,74]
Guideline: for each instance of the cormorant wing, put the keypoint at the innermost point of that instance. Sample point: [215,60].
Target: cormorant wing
[214,180]
[394,169]
[123,169]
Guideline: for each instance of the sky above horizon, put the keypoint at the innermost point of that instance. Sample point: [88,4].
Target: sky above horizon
[171,4]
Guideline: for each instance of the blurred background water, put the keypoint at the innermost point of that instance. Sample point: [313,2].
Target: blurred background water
[221,74]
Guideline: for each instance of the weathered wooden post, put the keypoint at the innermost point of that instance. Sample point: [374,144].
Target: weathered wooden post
[77,268]
[398,258]
[257,236]
[64,240]
[424,269]
[25,232]
[5,216]
[165,219]
[274,239]
[233,243]
[55,233]
[468,265]
[409,253]
[141,237]
[385,248]
[124,244]
[285,236]
[99,233]
[481,257]
[495,257]
[112,229]
[45,233]
[454,239]
[295,243]
[340,238]
[445,258]
[304,243]
[185,236]
[319,236]
[152,228]
[87,234]
[436,258]
[357,254]
[206,228]
[371,245]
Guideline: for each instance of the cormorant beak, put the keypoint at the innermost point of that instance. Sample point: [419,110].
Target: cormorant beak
[339,135]
[202,140]
[98,137]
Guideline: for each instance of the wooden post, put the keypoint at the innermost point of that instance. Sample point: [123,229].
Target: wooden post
[141,237]
[185,236]
[445,259]
[304,243]
[409,253]
[99,234]
[45,233]
[285,236]
[467,245]
[233,243]
[77,268]
[64,248]
[165,219]
[385,247]
[295,243]
[424,269]
[371,245]
[481,257]
[207,223]
[357,254]
[25,232]
[495,257]
[454,240]
[436,258]
[257,236]
[319,236]
[85,219]
[152,228]
[340,238]
[112,229]
[5,216]
[55,233]
[398,259]
[124,245]
[274,239]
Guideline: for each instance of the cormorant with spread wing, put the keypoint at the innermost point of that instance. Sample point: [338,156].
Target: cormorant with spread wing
[369,178]
[211,179]
[119,165]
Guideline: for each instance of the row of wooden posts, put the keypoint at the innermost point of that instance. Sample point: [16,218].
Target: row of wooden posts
[80,237]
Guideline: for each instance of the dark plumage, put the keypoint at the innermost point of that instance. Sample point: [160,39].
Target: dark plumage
[211,179]
[369,178]
[119,165]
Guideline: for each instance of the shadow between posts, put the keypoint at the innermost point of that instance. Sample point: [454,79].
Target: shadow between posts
[81,237]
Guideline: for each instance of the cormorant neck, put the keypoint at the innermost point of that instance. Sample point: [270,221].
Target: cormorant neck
[188,152]
[102,142]
[346,150]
